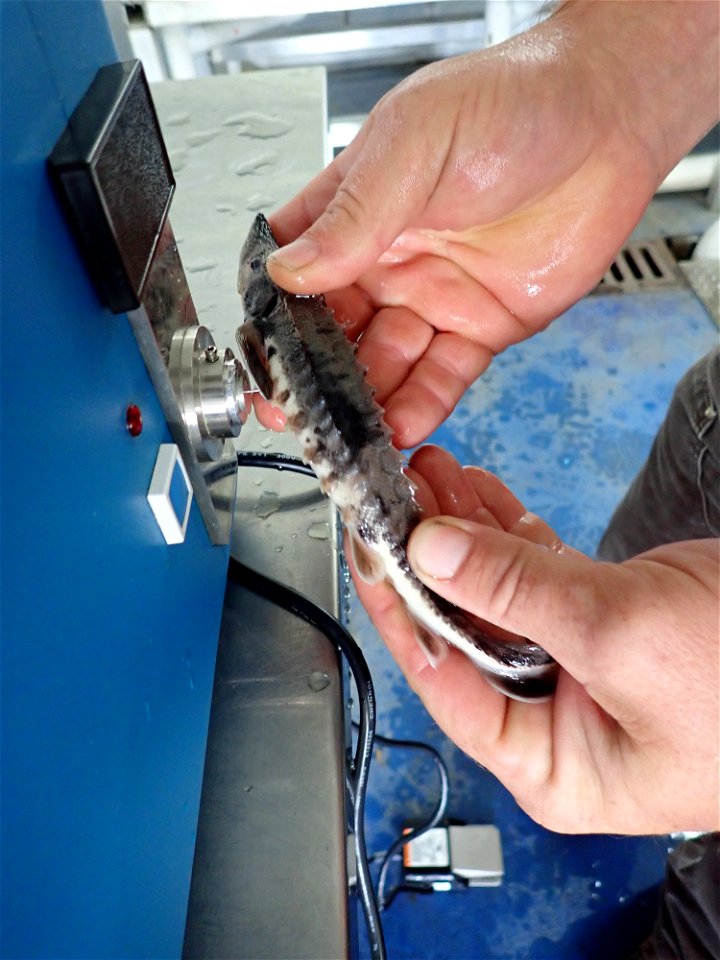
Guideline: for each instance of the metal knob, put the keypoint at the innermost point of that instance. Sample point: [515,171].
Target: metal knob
[212,390]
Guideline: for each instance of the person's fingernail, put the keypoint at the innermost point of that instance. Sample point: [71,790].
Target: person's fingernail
[531,527]
[438,549]
[300,253]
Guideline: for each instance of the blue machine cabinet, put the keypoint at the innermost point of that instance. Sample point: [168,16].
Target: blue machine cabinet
[109,635]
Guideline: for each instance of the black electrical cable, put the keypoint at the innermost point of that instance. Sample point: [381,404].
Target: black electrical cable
[251,458]
[437,817]
[412,886]
[282,461]
[302,607]
[276,461]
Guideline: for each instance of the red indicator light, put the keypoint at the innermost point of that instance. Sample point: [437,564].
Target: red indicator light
[134,421]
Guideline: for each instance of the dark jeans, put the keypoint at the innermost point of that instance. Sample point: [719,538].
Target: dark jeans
[676,496]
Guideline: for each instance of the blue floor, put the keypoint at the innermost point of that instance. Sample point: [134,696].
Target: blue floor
[565,419]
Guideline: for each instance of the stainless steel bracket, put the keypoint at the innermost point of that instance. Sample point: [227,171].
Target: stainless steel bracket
[211,390]
[203,398]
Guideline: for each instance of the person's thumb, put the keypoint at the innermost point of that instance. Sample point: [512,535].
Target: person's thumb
[371,204]
[551,598]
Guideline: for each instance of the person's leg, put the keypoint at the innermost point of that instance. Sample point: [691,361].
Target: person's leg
[676,495]
[688,923]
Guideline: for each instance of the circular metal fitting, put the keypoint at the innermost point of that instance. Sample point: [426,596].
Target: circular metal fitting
[212,395]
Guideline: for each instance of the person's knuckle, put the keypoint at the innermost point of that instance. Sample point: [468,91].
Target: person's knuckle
[507,582]
[348,206]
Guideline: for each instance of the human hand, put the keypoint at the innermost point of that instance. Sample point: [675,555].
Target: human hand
[629,742]
[487,193]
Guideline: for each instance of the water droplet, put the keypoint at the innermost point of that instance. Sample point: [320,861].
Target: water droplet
[199,266]
[268,504]
[258,125]
[318,680]
[319,531]
[201,137]
[229,208]
[178,159]
[257,165]
[259,201]
[247,789]
[278,549]
[189,669]
[597,884]
[293,536]
[177,119]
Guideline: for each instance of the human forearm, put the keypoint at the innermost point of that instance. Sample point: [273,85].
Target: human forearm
[656,65]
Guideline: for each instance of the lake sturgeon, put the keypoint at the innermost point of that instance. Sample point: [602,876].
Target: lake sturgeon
[303,363]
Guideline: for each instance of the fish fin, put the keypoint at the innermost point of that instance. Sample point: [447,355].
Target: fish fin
[253,351]
[433,646]
[368,564]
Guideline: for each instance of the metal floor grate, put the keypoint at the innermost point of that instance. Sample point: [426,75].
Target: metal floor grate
[642,266]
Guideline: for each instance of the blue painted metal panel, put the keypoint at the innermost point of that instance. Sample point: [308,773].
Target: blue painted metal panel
[566,419]
[108,635]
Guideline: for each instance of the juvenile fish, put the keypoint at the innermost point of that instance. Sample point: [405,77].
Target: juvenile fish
[303,363]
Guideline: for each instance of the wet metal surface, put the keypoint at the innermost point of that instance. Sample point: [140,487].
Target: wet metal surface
[271,851]
[237,144]
[270,856]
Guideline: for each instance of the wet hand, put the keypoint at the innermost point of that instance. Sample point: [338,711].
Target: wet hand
[629,743]
[487,193]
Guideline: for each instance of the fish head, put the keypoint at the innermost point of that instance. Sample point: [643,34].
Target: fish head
[259,294]
[253,350]
[259,297]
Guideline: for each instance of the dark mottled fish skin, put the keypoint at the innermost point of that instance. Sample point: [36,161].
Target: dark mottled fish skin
[302,361]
